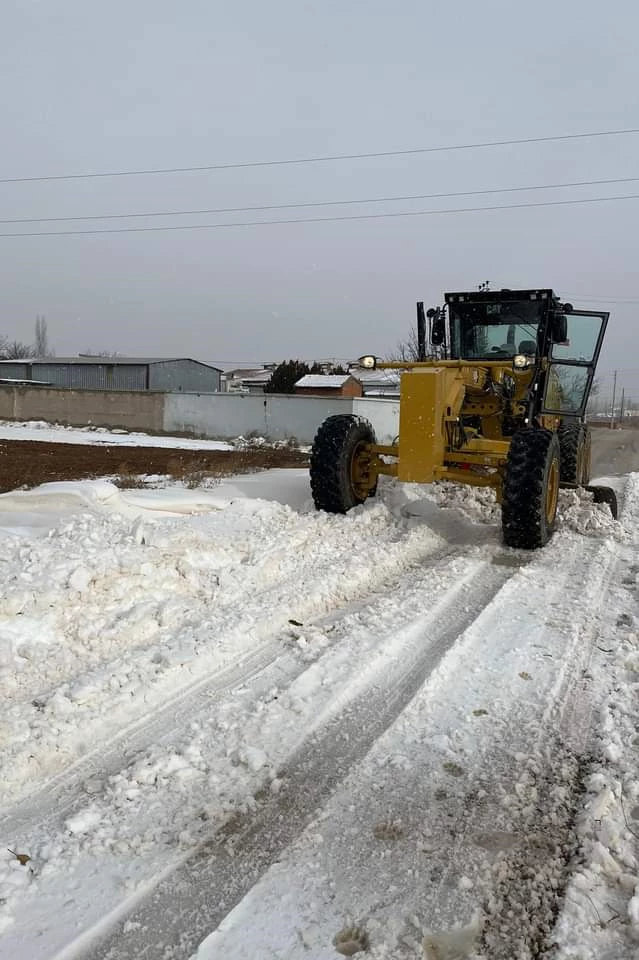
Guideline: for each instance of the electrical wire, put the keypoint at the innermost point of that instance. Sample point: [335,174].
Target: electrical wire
[361,216]
[323,159]
[619,300]
[323,203]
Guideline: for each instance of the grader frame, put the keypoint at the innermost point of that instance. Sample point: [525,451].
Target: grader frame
[481,412]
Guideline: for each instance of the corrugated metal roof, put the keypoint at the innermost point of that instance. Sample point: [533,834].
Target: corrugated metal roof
[323,380]
[256,378]
[378,377]
[110,361]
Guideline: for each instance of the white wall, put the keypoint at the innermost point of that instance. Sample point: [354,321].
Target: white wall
[382,413]
[224,415]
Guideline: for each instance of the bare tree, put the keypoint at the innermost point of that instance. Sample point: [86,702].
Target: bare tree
[41,346]
[15,350]
[406,349]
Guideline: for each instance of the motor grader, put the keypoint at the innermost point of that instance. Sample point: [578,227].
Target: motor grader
[497,398]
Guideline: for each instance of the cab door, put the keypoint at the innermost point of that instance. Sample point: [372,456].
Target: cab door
[573,363]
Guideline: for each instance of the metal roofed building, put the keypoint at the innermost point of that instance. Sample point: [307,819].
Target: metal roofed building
[164,374]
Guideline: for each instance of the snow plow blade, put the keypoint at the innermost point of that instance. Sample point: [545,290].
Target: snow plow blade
[605,495]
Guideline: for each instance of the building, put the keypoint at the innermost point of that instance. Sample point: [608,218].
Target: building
[247,380]
[165,374]
[328,385]
[379,383]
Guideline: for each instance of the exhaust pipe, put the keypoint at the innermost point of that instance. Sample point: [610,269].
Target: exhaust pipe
[421,331]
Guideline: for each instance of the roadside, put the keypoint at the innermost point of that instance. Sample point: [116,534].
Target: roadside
[27,463]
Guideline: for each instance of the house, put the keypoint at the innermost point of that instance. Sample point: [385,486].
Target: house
[328,385]
[166,374]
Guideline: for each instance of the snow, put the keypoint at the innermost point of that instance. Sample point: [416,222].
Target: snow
[57,433]
[237,727]
[332,380]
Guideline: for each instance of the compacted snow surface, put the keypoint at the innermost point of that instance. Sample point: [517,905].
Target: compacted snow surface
[234,727]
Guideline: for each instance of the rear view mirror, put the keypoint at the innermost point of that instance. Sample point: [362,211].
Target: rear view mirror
[559,328]
[438,327]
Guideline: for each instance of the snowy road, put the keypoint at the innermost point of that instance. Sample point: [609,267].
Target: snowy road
[237,727]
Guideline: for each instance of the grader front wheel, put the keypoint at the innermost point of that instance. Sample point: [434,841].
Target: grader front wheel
[531,489]
[340,464]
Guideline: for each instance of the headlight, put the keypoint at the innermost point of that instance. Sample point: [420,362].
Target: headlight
[520,361]
[368,363]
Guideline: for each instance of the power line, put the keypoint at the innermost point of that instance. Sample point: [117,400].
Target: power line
[323,159]
[360,216]
[602,299]
[324,203]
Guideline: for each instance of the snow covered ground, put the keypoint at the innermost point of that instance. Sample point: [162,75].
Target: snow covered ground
[52,432]
[234,727]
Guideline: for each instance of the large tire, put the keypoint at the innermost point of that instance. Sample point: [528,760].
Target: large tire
[333,457]
[531,488]
[575,445]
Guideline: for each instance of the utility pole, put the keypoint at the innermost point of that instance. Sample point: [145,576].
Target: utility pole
[623,396]
[614,397]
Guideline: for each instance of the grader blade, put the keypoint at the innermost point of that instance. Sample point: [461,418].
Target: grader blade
[605,495]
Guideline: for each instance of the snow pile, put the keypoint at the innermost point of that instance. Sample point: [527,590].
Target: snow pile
[250,442]
[577,511]
[475,503]
[600,916]
[115,609]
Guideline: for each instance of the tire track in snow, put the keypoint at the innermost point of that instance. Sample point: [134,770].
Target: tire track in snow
[269,664]
[483,799]
[194,899]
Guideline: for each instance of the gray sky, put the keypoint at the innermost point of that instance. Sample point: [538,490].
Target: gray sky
[96,87]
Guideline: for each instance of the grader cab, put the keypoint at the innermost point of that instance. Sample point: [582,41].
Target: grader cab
[497,398]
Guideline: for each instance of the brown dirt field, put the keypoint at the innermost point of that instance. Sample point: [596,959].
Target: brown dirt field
[29,463]
[26,463]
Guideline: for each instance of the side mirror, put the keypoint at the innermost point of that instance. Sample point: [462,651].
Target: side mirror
[438,328]
[559,328]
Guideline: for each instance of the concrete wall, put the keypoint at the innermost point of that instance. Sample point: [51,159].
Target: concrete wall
[231,415]
[382,413]
[217,415]
[103,408]
[271,415]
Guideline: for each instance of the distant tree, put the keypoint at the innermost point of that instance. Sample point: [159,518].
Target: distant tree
[286,375]
[15,350]
[41,345]
[339,369]
[100,353]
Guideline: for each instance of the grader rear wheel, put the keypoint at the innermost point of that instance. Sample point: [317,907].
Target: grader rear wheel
[575,446]
[531,489]
[340,477]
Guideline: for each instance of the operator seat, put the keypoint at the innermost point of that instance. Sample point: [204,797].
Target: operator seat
[528,347]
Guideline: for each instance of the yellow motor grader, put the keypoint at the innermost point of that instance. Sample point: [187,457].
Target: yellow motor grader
[496,398]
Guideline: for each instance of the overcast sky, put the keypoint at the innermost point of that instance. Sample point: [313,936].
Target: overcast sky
[90,87]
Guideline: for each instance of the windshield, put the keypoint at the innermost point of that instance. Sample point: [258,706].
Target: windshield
[490,331]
